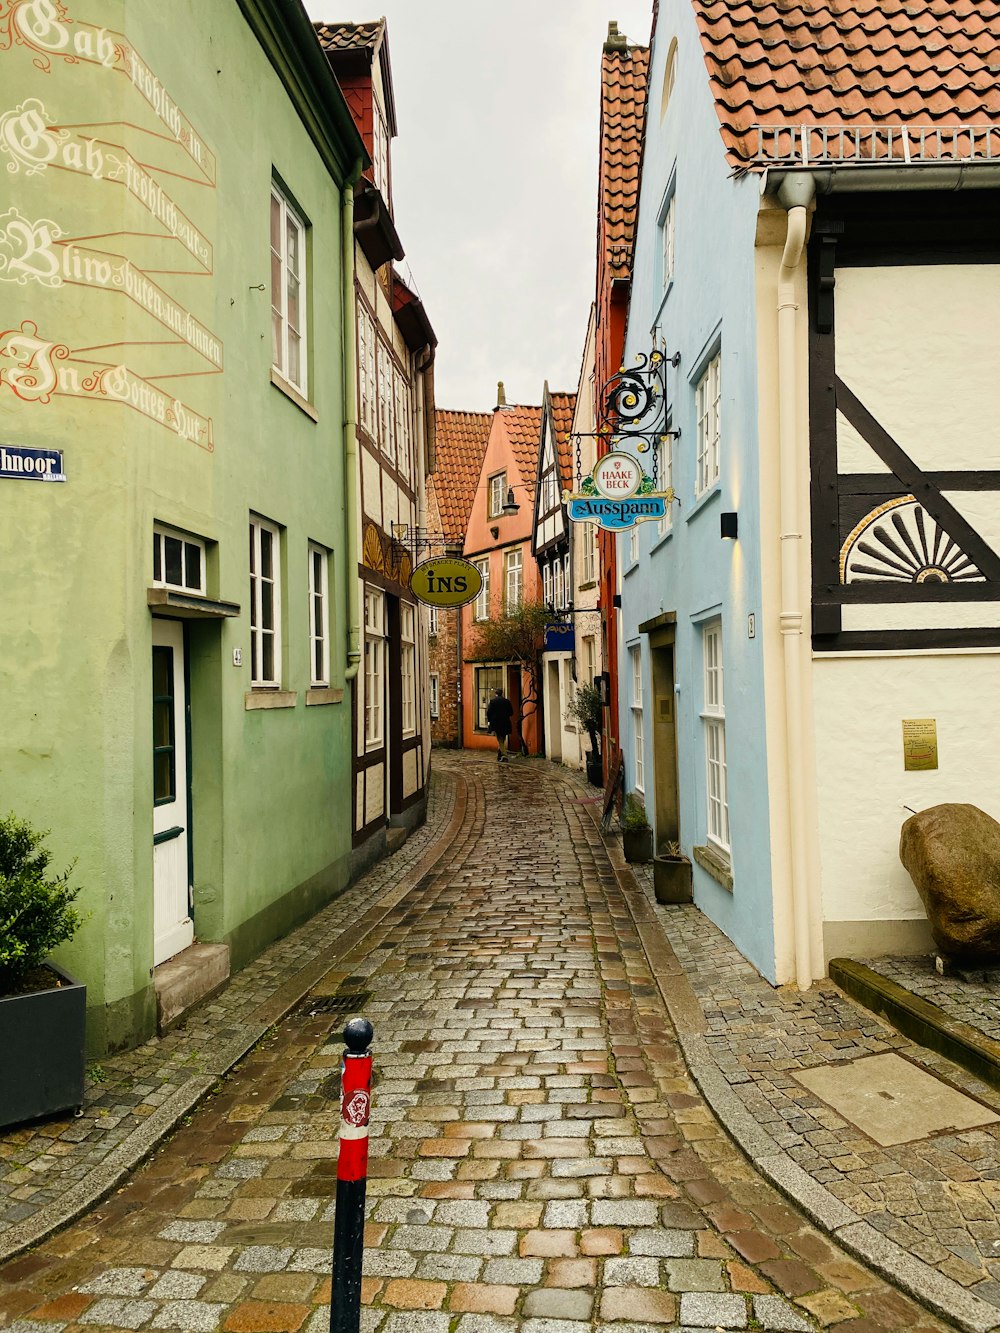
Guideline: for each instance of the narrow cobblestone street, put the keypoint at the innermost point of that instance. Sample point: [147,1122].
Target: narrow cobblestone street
[541,1160]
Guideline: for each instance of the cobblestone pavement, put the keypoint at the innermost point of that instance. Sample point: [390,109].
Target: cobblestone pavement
[51,1169]
[541,1160]
[938,1198]
[971,996]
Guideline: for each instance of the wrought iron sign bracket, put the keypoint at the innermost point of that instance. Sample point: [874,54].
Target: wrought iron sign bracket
[414,539]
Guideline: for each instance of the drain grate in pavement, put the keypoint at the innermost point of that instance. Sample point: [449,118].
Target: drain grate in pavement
[344,1003]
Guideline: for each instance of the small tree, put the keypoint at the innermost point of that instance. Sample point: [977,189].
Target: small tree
[586,709]
[35,910]
[516,636]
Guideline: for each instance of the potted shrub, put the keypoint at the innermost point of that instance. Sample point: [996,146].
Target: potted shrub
[637,836]
[672,875]
[42,1010]
[587,711]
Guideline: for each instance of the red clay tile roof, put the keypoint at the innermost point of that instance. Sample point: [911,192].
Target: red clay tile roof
[623,102]
[563,408]
[348,36]
[524,430]
[460,446]
[849,62]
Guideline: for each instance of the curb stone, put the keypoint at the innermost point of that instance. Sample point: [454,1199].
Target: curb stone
[938,1293]
[143,1141]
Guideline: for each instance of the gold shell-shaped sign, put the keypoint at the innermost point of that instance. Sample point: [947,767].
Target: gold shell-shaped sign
[446,582]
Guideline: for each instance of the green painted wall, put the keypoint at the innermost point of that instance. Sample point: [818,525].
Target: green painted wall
[270,788]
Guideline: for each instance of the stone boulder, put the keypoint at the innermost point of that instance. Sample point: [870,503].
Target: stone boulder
[953,855]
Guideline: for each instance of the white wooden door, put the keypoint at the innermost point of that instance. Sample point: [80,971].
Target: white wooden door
[173,929]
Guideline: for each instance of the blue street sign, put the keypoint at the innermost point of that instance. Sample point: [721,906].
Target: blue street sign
[31,464]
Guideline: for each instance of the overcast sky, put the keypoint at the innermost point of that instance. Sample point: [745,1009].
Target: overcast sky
[495,179]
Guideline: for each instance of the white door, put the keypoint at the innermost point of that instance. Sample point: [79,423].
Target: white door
[173,929]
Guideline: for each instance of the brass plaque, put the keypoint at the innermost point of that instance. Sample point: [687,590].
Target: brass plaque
[920,746]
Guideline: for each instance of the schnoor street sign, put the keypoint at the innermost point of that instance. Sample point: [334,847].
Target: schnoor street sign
[617,495]
[446,582]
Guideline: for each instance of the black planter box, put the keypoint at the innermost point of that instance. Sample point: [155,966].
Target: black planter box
[637,844]
[595,769]
[672,879]
[42,1041]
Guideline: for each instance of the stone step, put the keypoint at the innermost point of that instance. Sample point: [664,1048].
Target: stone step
[197,973]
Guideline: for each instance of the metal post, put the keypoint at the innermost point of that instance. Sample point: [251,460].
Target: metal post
[352,1178]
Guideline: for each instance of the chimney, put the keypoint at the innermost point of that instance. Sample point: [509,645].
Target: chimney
[617,41]
[501,395]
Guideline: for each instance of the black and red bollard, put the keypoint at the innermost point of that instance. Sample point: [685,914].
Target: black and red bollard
[352,1178]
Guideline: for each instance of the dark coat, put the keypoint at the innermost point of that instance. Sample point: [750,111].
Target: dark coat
[499,715]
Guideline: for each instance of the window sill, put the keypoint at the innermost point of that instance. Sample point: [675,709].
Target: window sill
[262,697]
[661,541]
[323,694]
[586,587]
[188,605]
[290,391]
[631,569]
[715,864]
[713,493]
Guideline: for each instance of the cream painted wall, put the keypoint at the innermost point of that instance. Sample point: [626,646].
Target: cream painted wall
[916,345]
[862,787]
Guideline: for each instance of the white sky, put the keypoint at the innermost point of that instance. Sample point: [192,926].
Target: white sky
[495,179]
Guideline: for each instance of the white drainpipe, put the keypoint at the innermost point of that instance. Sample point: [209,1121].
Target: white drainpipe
[796,194]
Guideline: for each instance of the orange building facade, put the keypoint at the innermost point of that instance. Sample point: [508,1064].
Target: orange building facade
[499,544]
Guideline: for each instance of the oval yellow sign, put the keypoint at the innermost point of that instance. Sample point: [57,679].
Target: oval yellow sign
[446,582]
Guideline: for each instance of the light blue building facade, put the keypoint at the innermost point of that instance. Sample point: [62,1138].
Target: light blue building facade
[691,657]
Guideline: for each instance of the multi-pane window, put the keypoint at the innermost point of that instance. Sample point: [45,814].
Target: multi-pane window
[481,606]
[547,584]
[668,230]
[707,398]
[288,291]
[265,604]
[178,561]
[550,493]
[432,621]
[568,579]
[367,377]
[513,580]
[665,479]
[589,659]
[714,718]
[588,540]
[319,615]
[633,543]
[488,679]
[380,155]
[558,584]
[434,693]
[497,494]
[408,668]
[401,413]
[374,667]
[386,432]
[638,733]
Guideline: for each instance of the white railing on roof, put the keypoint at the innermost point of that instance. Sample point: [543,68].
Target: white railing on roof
[873,145]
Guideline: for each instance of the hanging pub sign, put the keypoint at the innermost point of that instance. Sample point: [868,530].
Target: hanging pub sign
[618,494]
[446,582]
[560,637]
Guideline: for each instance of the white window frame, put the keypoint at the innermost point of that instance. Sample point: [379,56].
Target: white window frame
[367,377]
[633,543]
[434,694]
[513,579]
[588,539]
[380,149]
[708,399]
[260,633]
[665,480]
[374,668]
[589,659]
[319,615]
[481,606]
[408,667]
[289,219]
[385,406]
[638,729]
[547,584]
[161,534]
[567,580]
[714,720]
[433,624]
[668,242]
[497,494]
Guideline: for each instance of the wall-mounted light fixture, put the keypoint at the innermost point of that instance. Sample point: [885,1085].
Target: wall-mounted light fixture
[729,526]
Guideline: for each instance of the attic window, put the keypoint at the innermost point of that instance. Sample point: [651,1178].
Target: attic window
[669,75]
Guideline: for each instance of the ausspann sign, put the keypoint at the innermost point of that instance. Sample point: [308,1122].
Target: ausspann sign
[446,582]
[617,495]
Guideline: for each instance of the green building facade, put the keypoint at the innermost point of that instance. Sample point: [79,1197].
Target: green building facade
[174,553]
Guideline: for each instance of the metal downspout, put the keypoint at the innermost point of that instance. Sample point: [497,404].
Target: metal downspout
[351,488]
[796,195]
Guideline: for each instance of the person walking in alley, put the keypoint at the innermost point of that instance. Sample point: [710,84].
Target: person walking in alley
[499,719]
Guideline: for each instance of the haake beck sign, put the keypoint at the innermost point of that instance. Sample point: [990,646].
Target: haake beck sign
[617,495]
[31,464]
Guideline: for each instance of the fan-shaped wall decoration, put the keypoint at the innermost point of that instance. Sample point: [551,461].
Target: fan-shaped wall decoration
[899,542]
[371,549]
[405,567]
